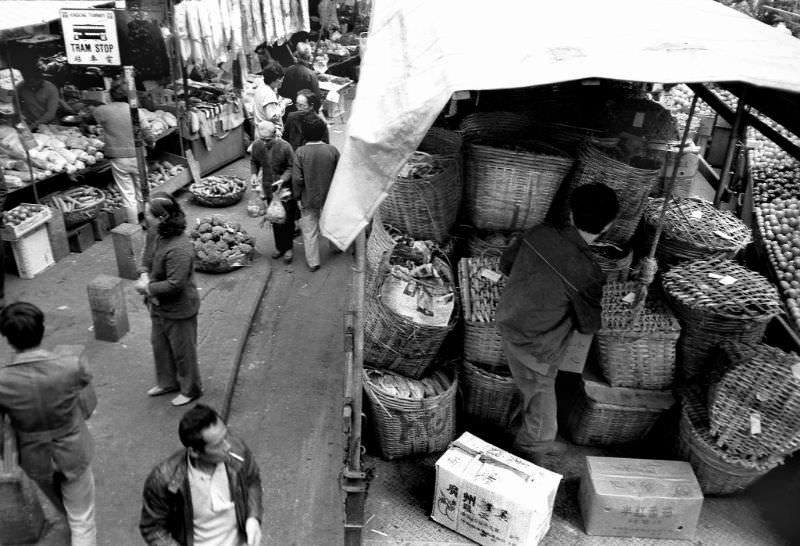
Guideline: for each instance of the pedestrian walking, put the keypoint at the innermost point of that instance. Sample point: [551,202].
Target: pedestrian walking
[273,156]
[554,286]
[41,393]
[312,173]
[300,75]
[206,494]
[306,101]
[167,281]
[267,105]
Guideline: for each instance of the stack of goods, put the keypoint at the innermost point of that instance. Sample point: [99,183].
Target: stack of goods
[666,153]
[79,204]
[632,178]
[218,191]
[777,224]
[693,229]
[220,245]
[716,300]
[614,261]
[412,416]
[635,348]
[426,195]
[160,171]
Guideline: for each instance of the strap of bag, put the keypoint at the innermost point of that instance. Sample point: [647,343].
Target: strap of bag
[551,266]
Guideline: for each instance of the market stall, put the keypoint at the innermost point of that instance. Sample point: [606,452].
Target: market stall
[413,69]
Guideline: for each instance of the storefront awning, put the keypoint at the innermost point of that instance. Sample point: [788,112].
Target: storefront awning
[38,12]
[419,52]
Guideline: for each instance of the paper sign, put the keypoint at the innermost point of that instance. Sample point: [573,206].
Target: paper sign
[638,119]
[493,276]
[796,371]
[696,214]
[90,37]
[727,280]
[755,423]
[715,275]
[722,234]
[629,298]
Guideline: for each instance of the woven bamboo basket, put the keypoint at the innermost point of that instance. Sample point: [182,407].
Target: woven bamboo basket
[640,354]
[632,184]
[222,266]
[441,142]
[693,229]
[566,137]
[395,342]
[756,389]
[489,400]
[643,117]
[425,207]
[379,243]
[507,190]
[494,125]
[482,244]
[406,426]
[80,215]
[718,472]
[601,415]
[614,262]
[716,300]
[483,344]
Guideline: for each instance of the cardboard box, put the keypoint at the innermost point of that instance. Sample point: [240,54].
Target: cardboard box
[640,498]
[574,358]
[32,253]
[491,496]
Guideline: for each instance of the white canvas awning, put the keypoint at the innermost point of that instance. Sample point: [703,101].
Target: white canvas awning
[421,51]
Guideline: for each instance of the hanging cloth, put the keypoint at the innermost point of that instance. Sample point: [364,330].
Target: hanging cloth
[182,31]
[258,21]
[270,30]
[195,31]
[235,13]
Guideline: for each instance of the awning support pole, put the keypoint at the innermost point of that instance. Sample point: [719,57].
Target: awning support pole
[725,174]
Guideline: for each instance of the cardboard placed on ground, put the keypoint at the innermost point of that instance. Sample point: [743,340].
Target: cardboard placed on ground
[574,358]
[639,498]
[492,496]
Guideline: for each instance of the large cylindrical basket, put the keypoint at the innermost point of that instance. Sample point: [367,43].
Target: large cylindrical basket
[489,401]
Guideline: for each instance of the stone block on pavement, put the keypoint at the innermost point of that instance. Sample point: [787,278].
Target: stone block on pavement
[128,244]
[107,303]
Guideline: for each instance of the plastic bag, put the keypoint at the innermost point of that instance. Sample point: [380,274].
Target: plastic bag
[256,207]
[276,212]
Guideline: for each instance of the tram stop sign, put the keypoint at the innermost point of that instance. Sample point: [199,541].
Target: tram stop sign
[90,37]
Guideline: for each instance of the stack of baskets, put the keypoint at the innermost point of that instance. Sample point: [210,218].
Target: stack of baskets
[632,184]
[636,350]
[716,300]
[718,471]
[425,198]
[412,416]
[693,229]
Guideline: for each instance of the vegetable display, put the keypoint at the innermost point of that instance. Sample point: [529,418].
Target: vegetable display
[159,172]
[481,284]
[75,199]
[221,245]
[392,384]
[778,222]
[113,199]
[218,186]
[21,213]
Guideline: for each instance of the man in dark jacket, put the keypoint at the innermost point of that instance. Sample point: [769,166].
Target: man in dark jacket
[41,391]
[554,287]
[299,76]
[207,493]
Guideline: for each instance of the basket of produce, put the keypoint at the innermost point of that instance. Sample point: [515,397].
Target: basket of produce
[510,187]
[693,229]
[411,416]
[425,197]
[79,204]
[639,353]
[614,261]
[218,191]
[495,242]
[22,219]
[631,178]
[410,309]
[161,171]
[604,415]
[716,300]
[754,403]
[666,153]
[481,284]
[719,472]
[220,246]
[495,125]
[489,401]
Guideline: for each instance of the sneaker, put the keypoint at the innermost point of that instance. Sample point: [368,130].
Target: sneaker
[182,400]
[287,256]
[158,390]
[277,254]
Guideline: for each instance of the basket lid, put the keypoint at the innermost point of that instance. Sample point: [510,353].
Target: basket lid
[696,221]
[617,311]
[600,391]
[720,287]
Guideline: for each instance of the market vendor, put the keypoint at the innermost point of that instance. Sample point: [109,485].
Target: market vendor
[554,287]
[38,98]
[299,76]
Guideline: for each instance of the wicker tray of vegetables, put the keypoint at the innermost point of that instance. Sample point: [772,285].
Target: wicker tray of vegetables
[218,191]
[220,245]
[79,204]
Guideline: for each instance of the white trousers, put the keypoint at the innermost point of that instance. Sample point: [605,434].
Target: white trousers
[309,226]
[126,171]
[79,504]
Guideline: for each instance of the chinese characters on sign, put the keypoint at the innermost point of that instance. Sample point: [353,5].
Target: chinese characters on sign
[90,37]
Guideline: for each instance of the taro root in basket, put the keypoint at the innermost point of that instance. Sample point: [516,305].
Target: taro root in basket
[638,354]
[718,471]
[754,403]
[693,229]
[716,300]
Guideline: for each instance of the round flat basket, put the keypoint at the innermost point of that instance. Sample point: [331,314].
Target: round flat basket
[489,400]
[693,229]
[411,426]
[510,190]
[757,385]
[90,198]
[718,472]
[221,266]
[218,191]
[716,300]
